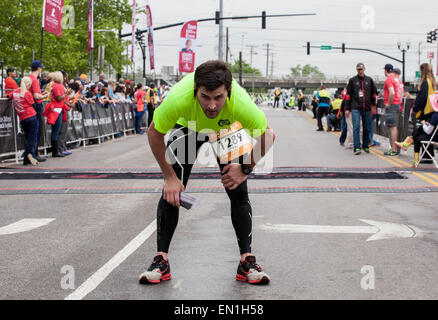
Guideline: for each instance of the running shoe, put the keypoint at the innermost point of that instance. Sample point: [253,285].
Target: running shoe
[357,151]
[391,153]
[367,150]
[158,271]
[249,271]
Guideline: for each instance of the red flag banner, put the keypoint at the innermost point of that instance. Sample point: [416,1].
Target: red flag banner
[188,46]
[133,30]
[52,16]
[90,25]
[150,37]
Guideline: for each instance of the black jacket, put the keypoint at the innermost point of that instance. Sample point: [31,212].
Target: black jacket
[353,99]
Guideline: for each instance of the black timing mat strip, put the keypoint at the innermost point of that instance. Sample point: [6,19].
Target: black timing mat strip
[266,190]
[195,175]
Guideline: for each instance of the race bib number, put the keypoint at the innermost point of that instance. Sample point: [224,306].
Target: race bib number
[230,143]
[57,110]
[360,94]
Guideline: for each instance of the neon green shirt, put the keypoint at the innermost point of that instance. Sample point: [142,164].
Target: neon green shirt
[181,106]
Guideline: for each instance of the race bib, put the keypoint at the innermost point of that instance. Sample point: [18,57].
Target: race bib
[360,94]
[230,143]
[57,110]
[381,111]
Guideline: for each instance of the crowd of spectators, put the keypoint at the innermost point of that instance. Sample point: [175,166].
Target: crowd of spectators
[63,95]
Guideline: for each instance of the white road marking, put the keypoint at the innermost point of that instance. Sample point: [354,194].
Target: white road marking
[92,282]
[178,284]
[24,225]
[379,229]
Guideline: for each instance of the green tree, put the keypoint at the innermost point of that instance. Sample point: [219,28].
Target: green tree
[20,33]
[306,71]
[246,68]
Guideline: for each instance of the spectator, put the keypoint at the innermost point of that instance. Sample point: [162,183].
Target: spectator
[23,103]
[139,113]
[324,101]
[102,80]
[35,89]
[91,94]
[332,118]
[54,109]
[151,100]
[277,94]
[301,101]
[44,80]
[314,105]
[62,138]
[423,106]
[392,101]
[10,84]
[360,102]
[424,133]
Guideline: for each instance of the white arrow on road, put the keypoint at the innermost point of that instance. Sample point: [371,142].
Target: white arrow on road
[379,229]
[24,225]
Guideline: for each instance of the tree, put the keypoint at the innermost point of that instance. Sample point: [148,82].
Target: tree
[20,33]
[306,71]
[246,68]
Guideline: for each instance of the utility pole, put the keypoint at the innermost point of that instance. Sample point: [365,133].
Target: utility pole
[267,61]
[240,67]
[251,52]
[272,64]
[226,48]
[221,26]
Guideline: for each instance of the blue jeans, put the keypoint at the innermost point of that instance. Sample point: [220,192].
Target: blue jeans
[56,128]
[343,136]
[372,118]
[138,120]
[366,116]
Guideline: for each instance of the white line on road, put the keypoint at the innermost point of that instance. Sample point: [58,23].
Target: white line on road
[24,225]
[92,282]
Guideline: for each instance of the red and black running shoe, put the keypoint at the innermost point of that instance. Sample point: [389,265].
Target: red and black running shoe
[158,271]
[249,271]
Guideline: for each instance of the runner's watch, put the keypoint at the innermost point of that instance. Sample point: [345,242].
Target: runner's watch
[246,169]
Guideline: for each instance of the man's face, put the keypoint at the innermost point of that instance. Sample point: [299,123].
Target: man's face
[213,101]
[360,71]
[13,74]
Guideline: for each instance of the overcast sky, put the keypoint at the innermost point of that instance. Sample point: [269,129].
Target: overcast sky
[335,22]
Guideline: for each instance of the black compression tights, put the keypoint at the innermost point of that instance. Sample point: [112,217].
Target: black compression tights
[167,215]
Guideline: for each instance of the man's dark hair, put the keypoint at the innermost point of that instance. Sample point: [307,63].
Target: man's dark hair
[139,86]
[10,70]
[213,74]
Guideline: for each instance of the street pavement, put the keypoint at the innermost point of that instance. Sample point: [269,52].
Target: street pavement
[313,244]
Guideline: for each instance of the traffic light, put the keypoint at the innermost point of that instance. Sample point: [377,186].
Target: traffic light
[343,48]
[308,48]
[431,36]
[217,17]
[263,19]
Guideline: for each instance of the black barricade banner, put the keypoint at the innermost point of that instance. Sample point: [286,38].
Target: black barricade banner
[129,118]
[90,123]
[7,142]
[104,120]
[117,118]
[76,122]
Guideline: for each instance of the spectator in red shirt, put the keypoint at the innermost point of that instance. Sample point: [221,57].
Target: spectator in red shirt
[392,101]
[35,89]
[23,103]
[53,110]
[10,84]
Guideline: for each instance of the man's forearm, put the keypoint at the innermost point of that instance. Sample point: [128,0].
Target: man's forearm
[390,99]
[158,147]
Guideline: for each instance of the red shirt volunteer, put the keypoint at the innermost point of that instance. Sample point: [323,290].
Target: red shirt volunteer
[23,104]
[139,94]
[35,88]
[391,82]
[54,108]
[10,85]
